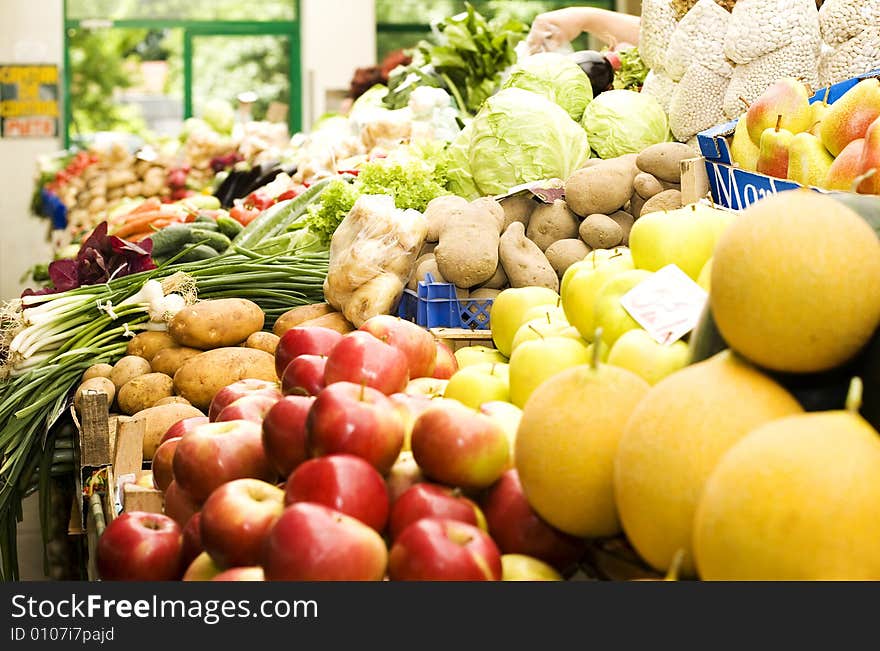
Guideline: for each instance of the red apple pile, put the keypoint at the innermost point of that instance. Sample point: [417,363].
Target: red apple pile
[350,468]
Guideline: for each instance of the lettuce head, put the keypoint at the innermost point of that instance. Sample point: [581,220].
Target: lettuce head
[622,122]
[556,77]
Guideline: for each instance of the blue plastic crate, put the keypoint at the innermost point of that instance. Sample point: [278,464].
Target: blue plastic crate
[435,305]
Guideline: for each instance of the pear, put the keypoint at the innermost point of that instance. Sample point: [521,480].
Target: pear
[743,151]
[845,169]
[850,116]
[808,160]
[788,98]
[818,111]
[773,154]
[869,162]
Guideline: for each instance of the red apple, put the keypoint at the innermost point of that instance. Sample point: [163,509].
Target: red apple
[180,505]
[362,359]
[192,539]
[304,376]
[181,427]
[459,446]
[140,546]
[203,568]
[517,529]
[252,408]
[311,542]
[342,482]
[254,573]
[229,394]
[284,433]
[426,500]
[425,387]
[446,365]
[351,419]
[308,340]
[161,463]
[236,520]
[434,549]
[415,342]
[403,474]
[216,453]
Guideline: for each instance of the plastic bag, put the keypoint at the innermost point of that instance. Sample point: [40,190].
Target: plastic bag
[372,255]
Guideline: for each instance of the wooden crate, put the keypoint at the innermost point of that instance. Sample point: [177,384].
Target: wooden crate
[457,338]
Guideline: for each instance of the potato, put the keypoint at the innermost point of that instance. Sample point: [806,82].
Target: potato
[601,232]
[217,323]
[438,210]
[663,160]
[467,254]
[518,208]
[297,315]
[647,185]
[634,205]
[551,223]
[202,376]
[427,266]
[601,188]
[625,220]
[666,200]
[263,341]
[97,370]
[172,400]
[427,247]
[130,366]
[524,263]
[498,279]
[144,391]
[157,421]
[335,321]
[95,384]
[484,293]
[564,253]
[414,277]
[462,293]
[591,162]
[488,204]
[168,360]
[147,344]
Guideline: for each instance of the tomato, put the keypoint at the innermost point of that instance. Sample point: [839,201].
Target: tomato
[284,196]
[242,215]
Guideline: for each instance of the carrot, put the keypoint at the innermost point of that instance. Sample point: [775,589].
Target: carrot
[141,221]
[148,205]
[138,237]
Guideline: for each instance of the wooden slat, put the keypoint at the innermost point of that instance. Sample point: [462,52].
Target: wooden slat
[95,438]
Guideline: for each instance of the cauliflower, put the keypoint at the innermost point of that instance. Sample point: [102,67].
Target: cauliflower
[699,35]
[843,20]
[760,27]
[855,57]
[697,102]
[658,24]
[799,60]
[660,87]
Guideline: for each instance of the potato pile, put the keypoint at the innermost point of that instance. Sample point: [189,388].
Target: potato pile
[484,246]
[168,376]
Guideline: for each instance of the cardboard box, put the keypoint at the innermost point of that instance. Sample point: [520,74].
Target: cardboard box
[736,188]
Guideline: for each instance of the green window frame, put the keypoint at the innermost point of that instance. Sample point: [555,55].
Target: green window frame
[194,29]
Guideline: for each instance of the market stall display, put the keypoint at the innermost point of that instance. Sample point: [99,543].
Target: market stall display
[646,351]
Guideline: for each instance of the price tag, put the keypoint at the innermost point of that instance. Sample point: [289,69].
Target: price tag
[668,304]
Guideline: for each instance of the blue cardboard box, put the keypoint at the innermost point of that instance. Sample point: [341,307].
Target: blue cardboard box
[735,188]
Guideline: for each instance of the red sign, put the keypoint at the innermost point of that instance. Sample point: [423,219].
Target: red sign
[40,127]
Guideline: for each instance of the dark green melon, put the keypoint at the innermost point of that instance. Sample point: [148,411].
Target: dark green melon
[869,369]
[866,205]
[705,340]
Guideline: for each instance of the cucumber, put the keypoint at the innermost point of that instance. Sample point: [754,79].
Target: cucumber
[204,219]
[200,252]
[228,226]
[209,225]
[170,240]
[215,240]
[277,218]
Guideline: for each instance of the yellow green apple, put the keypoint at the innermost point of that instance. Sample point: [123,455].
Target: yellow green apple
[611,316]
[541,328]
[704,280]
[536,361]
[479,383]
[509,312]
[603,350]
[585,280]
[685,237]
[637,351]
[506,415]
[519,567]
[554,313]
[470,355]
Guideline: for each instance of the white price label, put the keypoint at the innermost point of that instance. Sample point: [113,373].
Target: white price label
[668,304]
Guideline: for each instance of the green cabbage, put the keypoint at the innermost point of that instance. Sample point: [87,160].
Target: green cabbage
[556,77]
[519,137]
[622,122]
[458,167]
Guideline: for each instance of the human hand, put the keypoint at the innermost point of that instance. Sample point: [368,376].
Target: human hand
[553,29]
